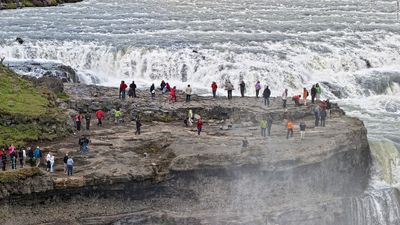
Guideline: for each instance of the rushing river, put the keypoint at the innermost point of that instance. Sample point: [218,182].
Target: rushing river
[352,47]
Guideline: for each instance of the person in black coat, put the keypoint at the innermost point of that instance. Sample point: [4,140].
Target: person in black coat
[266,95]
[313,93]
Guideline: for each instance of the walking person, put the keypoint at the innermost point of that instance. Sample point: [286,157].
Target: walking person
[152,91]
[99,116]
[83,144]
[318,92]
[258,88]
[229,88]
[70,166]
[132,90]
[263,126]
[162,86]
[88,117]
[138,126]
[266,95]
[13,156]
[188,92]
[78,121]
[305,95]
[313,94]
[302,129]
[242,86]
[269,122]
[214,88]
[65,160]
[290,127]
[199,126]
[284,98]
[122,90]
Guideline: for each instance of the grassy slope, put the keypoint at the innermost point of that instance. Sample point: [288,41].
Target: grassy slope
[27,108]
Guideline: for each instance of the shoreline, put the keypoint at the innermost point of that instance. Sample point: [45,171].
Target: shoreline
[8,4]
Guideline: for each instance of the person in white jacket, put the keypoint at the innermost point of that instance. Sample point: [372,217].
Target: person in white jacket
[52,164]
[188,92]
[48,157]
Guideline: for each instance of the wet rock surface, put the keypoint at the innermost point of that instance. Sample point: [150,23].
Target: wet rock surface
[171,175]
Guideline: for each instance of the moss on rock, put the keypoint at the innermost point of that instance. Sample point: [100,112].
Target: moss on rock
[13,176]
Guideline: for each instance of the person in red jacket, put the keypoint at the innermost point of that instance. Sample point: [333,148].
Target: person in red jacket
[99,116]
[214,89]
[78,121]
[122,90]
[199,126]
[173,94]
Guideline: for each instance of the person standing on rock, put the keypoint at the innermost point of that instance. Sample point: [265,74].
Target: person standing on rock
[162,85]
[214,87]
[313,94]
[152,91]
[132,90]
[266,95]
[4,159]
[269,122]
[305,95]
[188,92]
[83,144]
[317,115]
[323,116]
[48,165]
[290,127]
[88,117]
[78,121]
[284,98]
[21,156]
[31,156]
[318,92]
[229,88]
[70,166]
[122,90]
[117,115]
[302,129]
[173,94]
[138,126]
[258,88]
[263,126]
[242,86]
[13,156]
[99,116]
[199,126]
[65,160]
[52,164]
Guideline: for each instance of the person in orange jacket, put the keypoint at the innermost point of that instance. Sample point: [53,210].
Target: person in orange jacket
[305,95]
[289,129]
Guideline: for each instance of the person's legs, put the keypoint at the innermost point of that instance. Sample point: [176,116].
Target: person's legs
[123,94]
[21,162]
[78,125]
[284,103]
[287,135]
[302,134]
[198,131]
[69,170]
[214,94]
[269,131]
[134,93]
[291,132]
[257,91]
[65,168]
[87,125]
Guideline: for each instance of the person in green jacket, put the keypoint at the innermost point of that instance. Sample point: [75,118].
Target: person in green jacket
[263,126]
[117,116]
[318,90]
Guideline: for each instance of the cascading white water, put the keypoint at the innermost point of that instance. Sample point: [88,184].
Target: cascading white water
[351,47]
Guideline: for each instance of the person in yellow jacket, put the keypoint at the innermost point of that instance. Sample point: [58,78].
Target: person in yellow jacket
[263,126]
[289,129]
[117,115]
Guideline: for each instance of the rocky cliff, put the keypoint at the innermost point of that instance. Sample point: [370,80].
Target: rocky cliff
[171,175]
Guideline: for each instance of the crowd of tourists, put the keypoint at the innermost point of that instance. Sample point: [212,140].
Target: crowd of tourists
[321,109]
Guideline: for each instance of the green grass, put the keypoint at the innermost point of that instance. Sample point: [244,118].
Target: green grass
[13,176]
[19,97]
[28,113]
